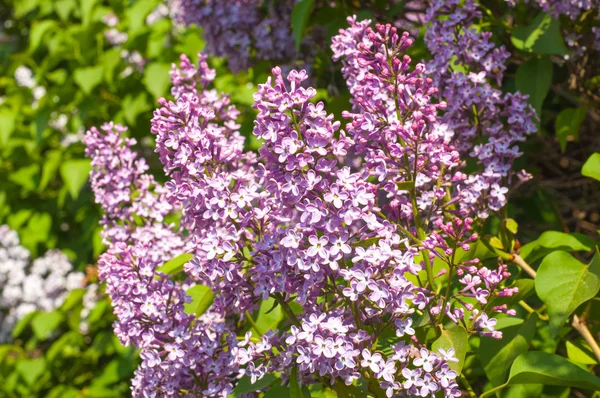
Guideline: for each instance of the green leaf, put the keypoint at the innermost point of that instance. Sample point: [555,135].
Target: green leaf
[551,241]
[202,298]
[366,242]
[88,78]
[300,16]
[157,79]
[87,6]
[591,167]
[50,168]
[478,250]
[580,352]
[22,324]
[541,37]
[132,107]
[73,299]
[497,355]
[45,323]
[269,315]
[64,8]
[245,386]
[526,288]
[405,185]
[537,367]
[7,121]
[564,283]
[37,231]
[75,174]
[31,369]
[512,225]
[567,125]
[136,15]
[534,78]
[295,391]
[39,30]
[277,391]
[175,265]
[455,338]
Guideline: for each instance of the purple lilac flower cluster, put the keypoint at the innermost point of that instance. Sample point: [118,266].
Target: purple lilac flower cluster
[176,348]
[483,123]
[347,252]
[571,8]
[245,31]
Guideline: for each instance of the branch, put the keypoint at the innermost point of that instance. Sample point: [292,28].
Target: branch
[580,326]
[517,259]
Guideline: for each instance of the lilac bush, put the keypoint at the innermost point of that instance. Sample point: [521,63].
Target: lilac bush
[360,236]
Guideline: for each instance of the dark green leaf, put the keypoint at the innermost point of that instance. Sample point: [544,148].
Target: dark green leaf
[300,16]
[567,125]
[295,391]
[366,242]
[22,324]
[541,37]
[245,386]
[497,355]
[534,78]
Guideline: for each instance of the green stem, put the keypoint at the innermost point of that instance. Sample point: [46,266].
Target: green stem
[253,324]
[287,309]
[531,310]
[493,390]
[463,380]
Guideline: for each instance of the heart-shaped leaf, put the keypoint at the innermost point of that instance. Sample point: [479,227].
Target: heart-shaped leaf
[564,283]
[453,338]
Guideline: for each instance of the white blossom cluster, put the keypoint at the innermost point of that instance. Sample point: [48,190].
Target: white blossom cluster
[24,78]
[27,286]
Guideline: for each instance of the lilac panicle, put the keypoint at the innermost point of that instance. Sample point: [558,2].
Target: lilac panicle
[340,226]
